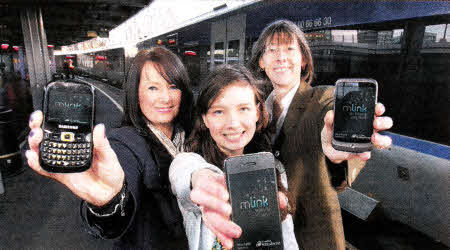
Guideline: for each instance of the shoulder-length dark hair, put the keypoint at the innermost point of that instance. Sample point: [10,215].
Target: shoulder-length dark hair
[286,30]
[170,67]
[212,86]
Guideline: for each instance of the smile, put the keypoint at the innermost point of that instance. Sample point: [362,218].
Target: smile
[233,136]
[281,69]
[164,110]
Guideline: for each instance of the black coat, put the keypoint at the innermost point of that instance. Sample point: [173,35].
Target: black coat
[153,219]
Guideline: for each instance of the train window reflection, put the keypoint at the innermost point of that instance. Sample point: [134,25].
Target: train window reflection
[409,75]
[233,52]
[219,52]
[439,33]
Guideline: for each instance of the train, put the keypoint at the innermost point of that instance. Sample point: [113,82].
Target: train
[404,45]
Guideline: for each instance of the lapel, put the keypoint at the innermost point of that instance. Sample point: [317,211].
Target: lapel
[299,103]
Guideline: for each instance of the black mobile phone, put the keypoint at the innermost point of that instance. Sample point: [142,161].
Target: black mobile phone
[354,112]
[68,123]
[252,185]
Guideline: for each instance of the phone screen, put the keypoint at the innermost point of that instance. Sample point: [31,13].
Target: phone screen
[255,209]
[73,108]
[354,111]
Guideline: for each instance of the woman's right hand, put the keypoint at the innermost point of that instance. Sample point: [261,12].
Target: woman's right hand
[97,185]
[209,191]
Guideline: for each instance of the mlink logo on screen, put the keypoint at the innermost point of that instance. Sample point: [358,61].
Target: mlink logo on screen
[255,203]
[68,105]
[355,108]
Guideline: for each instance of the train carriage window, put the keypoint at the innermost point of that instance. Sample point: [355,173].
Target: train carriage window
[410,65]
[436,34]
[219,53]
[233,52]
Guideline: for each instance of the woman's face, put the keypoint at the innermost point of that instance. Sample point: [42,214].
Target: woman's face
[231,118]
[159,101]
[282,61]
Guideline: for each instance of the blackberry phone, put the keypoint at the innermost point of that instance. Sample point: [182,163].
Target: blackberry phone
[354,112]
[252,185]
[67,126]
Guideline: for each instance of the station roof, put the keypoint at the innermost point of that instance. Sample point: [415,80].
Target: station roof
[67,21]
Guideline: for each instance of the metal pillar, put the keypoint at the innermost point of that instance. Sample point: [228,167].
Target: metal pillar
[36,51]
[411,58]
[21,63]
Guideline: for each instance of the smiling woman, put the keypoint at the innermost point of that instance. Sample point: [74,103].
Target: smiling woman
[159,100]
[231,120]
[126,192]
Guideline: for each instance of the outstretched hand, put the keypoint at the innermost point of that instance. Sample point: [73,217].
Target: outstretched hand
[209,191]
[97,185]
[379,141]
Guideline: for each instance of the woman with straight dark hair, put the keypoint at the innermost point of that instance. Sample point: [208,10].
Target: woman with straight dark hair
[230,120]
[126,192]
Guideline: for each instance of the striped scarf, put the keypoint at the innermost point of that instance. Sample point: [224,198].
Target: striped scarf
[174,146]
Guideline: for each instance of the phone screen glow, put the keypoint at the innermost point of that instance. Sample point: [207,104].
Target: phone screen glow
[74,108]
[354,112]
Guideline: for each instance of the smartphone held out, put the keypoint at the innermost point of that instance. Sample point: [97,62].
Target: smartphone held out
[252,184]
[67,126]
[354,113]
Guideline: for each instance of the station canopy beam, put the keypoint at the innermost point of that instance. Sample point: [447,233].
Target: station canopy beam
[68,21]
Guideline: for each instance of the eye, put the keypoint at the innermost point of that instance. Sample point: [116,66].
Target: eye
[173,86]
[217,112]
[153,88]
[244,109]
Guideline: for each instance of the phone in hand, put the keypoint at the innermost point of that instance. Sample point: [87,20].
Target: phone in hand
[68,122]
[354,113]
[252,185]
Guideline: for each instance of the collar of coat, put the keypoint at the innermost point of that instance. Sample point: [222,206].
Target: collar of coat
[300,101]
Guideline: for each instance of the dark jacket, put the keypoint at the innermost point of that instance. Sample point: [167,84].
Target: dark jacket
[317,218]
[152,218]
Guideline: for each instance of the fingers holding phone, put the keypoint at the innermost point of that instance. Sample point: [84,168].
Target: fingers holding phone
[34,139]
[62,146]
[351,130]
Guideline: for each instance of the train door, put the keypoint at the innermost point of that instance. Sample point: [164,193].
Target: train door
[228,40]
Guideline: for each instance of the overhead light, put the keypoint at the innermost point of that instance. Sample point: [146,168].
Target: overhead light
[15,48]
[100,58]
[220,7]
[5,46]
[190,53]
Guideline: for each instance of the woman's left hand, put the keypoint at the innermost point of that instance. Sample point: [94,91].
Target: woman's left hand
[380,123]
